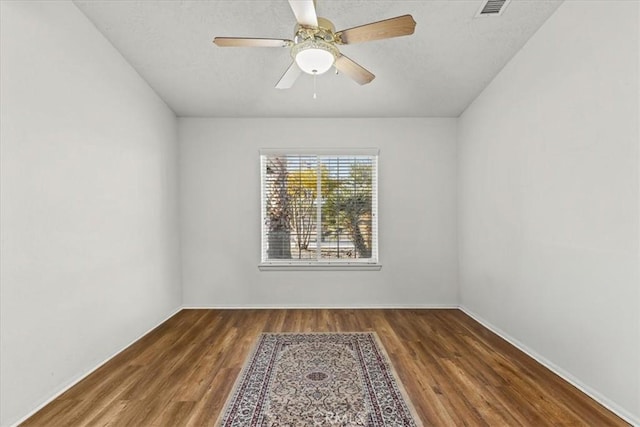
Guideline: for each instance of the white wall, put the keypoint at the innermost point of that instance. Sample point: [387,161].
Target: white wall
[638,230]
[88,203]
[549,199]
[220,220]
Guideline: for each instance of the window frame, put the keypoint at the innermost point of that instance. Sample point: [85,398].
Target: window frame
[368,264]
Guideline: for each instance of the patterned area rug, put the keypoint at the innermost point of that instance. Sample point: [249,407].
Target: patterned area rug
[318,379]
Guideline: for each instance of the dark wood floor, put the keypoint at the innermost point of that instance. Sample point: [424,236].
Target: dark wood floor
[455,371]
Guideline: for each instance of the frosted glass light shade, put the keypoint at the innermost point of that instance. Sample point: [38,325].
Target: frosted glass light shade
[314,61]
[314,56]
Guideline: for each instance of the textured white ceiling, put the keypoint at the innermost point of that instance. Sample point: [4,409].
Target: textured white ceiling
[436,72]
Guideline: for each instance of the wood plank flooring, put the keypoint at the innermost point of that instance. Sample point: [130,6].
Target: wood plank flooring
[456,372]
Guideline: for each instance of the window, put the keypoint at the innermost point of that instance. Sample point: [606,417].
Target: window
[319,209]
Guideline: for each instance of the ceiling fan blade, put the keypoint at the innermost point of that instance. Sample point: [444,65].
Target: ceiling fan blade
[393,27]
[305,12]
[250,42]
[358,73]
[289,77]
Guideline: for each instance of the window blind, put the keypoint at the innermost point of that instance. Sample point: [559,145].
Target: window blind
[319,207]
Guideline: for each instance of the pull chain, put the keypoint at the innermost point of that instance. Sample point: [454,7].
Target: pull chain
[315,96]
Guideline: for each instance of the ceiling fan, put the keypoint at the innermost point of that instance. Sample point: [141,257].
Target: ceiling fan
[314,47]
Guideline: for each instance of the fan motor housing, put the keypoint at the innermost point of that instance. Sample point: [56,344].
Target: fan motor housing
[324,31]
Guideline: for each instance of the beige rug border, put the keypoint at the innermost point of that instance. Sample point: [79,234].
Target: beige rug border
[254,349]
[399,383]
[239,377]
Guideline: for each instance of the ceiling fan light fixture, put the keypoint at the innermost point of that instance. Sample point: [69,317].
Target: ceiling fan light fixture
[314,46]
[314,56]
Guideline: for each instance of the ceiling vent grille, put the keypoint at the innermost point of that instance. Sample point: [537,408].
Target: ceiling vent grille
[492,7]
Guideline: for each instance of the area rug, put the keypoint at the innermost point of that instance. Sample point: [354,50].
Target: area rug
[318,379]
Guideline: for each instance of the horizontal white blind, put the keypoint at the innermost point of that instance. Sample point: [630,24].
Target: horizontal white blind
[319,208]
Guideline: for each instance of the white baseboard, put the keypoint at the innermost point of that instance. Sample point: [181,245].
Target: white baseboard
[322,307]
[598,397]
[91,370]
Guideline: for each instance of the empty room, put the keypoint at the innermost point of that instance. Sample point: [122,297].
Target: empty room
[319,213]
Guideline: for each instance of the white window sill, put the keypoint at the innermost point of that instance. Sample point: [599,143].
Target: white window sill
[337,266]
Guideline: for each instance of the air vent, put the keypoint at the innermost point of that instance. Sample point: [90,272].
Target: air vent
[492,7]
